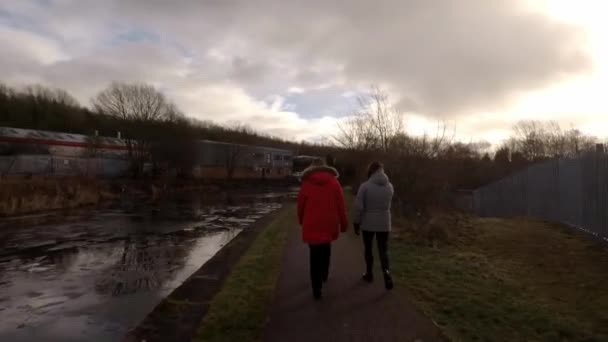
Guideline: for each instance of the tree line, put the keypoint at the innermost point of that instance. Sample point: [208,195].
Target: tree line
[152,126]
[427,169]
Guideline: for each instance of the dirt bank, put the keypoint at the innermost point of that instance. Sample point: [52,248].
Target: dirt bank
[22,196]
[19,196]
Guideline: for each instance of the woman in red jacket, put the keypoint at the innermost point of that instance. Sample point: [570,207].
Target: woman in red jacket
[322,215]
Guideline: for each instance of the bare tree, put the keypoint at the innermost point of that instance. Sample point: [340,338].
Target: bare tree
[175,148]
[139,102]
[357,133]
[233,154]
[425,146]
[139,108]
[59,96]
[385,119]
[576,142]
[373,125]
[529,139]
[537,140]
[93,142]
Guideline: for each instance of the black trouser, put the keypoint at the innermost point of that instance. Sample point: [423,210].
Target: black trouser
[368,240]
[319,264]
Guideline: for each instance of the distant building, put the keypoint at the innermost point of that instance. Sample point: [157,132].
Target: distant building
[27,151]
[35,152]
[224,160]
[300,163]
[17,141]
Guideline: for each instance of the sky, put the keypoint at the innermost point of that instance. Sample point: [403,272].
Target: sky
[294,69]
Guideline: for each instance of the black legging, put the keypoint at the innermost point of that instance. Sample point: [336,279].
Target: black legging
[368,239]
[319,264]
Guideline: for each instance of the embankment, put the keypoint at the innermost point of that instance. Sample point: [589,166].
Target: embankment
[517,279]
[19,196]
[23,196]
[243,272]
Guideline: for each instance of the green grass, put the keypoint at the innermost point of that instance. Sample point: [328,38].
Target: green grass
[508,280]
[238,311]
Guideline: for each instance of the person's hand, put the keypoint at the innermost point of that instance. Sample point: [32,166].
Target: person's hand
[357,228]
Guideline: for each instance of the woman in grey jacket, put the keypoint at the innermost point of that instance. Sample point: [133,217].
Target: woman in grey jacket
[373,217]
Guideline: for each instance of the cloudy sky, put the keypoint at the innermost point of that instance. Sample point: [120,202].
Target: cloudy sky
[293,68]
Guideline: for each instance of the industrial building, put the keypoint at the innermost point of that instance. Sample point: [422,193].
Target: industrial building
[223,160]
[35,152]
[45,153]
[16,141]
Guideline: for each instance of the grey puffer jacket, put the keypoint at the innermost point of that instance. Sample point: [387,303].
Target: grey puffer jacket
[373,203]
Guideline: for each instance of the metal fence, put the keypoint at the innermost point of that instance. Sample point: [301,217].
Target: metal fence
[49,165]
[571,191]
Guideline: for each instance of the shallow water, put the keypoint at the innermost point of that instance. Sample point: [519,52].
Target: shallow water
[92,275]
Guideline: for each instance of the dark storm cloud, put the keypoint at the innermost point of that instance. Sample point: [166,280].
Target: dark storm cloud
[440,57]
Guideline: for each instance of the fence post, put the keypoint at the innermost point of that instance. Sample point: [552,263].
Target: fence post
[10,167]
[600,189]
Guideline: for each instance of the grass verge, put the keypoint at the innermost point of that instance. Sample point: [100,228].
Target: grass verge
[238,311]
[508,280]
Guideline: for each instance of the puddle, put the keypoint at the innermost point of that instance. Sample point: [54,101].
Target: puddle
[95,275]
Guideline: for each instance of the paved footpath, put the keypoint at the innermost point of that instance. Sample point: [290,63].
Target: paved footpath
[350,310]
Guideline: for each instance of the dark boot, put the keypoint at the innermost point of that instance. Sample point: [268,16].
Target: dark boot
[368,239]
[316,270]
[317,294]
[326,261]
[388,280]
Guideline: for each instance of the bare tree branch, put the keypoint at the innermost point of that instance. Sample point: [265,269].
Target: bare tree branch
[139,107]
[373,125]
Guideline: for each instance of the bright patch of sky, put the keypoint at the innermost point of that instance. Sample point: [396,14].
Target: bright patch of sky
[475,66]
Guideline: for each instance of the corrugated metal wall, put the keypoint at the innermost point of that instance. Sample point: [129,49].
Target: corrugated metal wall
[211,153]
[47,165]
[571,191]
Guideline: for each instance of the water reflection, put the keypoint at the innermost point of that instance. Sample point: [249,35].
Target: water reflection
[100,272]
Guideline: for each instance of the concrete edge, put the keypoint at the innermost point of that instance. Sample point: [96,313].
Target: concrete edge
[177,317]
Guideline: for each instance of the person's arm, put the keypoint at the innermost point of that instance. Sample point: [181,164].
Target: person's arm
[301,203]
[359,207]
[360,204]
[341,207]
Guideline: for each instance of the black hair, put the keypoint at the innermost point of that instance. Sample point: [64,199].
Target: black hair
[373,168]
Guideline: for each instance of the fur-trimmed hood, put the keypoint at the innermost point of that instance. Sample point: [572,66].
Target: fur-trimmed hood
[316,169]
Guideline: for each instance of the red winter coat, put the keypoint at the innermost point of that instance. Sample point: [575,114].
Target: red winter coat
[321,209]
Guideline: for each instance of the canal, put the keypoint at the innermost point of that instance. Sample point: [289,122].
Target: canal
[91,275]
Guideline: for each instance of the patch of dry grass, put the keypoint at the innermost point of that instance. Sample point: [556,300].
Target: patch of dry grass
[238,311]
[505,279]
[20,196]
